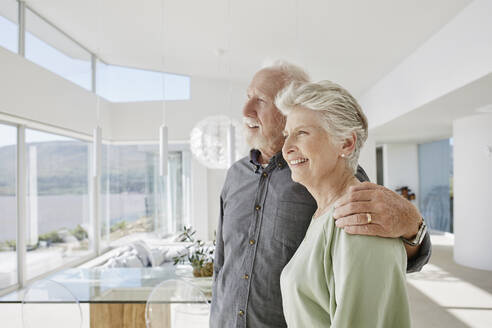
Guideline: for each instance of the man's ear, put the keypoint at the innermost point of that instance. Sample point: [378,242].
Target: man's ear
[349,144]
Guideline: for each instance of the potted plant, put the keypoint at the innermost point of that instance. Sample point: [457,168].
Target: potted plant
[200,255]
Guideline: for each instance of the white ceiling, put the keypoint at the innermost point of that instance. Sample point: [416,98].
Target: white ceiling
[352,42]
[434,121]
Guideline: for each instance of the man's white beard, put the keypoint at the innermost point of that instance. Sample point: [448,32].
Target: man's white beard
[260,142]
[255,141]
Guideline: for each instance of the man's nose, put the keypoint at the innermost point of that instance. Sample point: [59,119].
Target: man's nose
[248,109]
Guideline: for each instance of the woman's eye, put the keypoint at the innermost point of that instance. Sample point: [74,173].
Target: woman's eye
[301,132]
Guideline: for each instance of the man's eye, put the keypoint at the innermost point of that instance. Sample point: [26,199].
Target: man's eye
[301,132]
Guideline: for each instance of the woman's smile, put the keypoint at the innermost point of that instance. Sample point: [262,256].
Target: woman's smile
[298,162]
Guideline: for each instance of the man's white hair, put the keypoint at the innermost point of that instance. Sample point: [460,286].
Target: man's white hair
[290,72]
[340,113]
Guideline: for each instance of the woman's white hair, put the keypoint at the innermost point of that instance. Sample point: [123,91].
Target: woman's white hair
[341,114]
[290,72]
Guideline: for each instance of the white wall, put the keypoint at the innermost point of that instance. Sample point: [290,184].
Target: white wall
[30,91]
[400,163]
[472,138]
[200,205]
[367,158]
[141,120]
[216,179]
[461,52]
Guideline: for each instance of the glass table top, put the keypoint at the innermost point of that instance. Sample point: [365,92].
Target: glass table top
[117,285]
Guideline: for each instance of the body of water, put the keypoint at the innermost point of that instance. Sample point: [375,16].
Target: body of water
[67,211]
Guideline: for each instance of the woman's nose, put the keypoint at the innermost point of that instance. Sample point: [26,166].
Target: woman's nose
[288,146]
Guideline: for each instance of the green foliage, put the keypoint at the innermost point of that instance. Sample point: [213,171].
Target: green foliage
[8,245]
[79,233]
[11,243]
[198,254]
[118,226]
[187,235]
[52,237]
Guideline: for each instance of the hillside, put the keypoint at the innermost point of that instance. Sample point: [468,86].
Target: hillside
[62,167]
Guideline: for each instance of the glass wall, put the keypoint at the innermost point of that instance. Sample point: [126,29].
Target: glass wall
[58,218]
[9,25]
[8,206]
[133,195]
[124,84]
[435,184]
[51,49]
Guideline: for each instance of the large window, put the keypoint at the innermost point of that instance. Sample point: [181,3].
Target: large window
[435,184]
[58,218]
[9,25]
[51,49]
[8,208]
[134,198]
[124,84]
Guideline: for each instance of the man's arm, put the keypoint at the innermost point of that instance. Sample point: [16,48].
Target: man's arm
[219,242]
[392,216]
[215,306]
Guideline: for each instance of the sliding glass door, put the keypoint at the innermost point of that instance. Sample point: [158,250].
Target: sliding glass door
[8,206]
[58,211]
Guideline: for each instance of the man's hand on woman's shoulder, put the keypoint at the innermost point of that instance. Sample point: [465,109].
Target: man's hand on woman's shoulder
[391,215]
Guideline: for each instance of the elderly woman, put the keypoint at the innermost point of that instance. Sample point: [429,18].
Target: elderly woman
[335,279]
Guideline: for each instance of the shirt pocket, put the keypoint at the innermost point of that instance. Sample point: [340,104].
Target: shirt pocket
[291,223]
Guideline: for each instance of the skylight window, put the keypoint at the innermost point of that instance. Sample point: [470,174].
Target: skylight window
[124,84]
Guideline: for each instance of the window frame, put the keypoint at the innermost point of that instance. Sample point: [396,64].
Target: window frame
[18,269]
[21,192]
[173,146]
[21,124]
[21,196]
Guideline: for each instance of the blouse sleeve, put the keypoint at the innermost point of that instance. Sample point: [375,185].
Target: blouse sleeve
[368,281]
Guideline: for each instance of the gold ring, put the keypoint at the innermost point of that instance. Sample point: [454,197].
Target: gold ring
[369,218]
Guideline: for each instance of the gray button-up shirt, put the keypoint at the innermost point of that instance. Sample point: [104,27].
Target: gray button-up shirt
[263,218]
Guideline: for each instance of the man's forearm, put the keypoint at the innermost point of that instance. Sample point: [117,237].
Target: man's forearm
[412,251]
[421,257]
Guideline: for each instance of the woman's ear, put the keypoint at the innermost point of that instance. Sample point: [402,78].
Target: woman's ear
[349,144]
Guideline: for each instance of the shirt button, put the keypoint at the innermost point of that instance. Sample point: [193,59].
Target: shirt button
[280,165]
[265,174]
[251,241]
[257,207]
[241,313]
[246,276]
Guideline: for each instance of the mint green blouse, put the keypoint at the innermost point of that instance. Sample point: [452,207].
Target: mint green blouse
[339,280]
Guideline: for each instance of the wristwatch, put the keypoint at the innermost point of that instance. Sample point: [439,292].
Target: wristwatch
[419,237]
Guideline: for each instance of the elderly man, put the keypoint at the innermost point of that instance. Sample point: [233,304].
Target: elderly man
[264,215]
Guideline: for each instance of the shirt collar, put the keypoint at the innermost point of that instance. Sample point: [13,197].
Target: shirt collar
[277,160]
